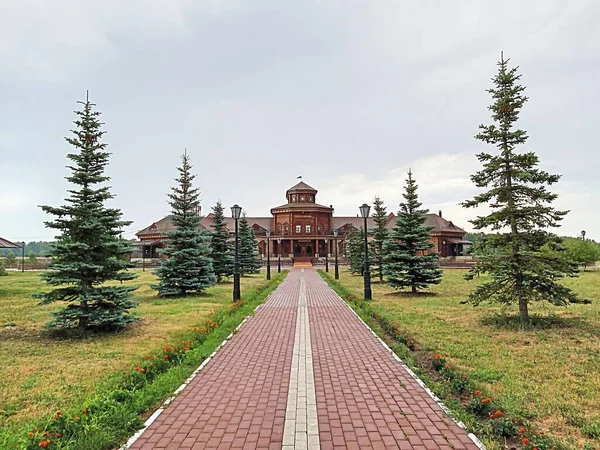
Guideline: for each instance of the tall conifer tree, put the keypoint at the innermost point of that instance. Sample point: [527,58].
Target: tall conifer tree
[219,245]
[188,268]
[88,251]
[354,249]
[520,203]
[409,261]
[249,259]
[380,234]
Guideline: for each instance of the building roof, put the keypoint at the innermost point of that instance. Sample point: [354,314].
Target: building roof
[438,223]
[302,186]
[165,225]
[5,243]
[302,205]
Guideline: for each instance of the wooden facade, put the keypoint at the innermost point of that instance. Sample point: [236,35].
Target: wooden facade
[302,229]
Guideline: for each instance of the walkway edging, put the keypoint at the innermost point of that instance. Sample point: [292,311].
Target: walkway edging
[435,398]
[159,411]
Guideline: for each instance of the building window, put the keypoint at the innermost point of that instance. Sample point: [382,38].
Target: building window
[307,229]
[293,199]
[286,230]
[302,198]
[319,228]
[312,199]
[298,229]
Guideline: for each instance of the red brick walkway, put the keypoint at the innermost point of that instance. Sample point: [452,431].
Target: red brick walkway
[365,399]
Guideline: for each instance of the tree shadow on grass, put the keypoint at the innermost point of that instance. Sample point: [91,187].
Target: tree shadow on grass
[537,322]
[402,294]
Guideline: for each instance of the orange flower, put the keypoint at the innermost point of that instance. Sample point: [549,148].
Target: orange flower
[76,418]
[46,433]
[166,357]
[56,434]
[59,412]
[525,441]
[448,366]
[522,430]
[492,415]
[148,356]
[498,413]
[30,433]
[84,411]
[45,443]
[477,392]
[515,420]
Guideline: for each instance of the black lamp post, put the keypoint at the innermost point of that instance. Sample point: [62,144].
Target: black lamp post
[583,235]
[326,256]
[268,256]
[364,212]
[236,212]
[279,255]
[337,271]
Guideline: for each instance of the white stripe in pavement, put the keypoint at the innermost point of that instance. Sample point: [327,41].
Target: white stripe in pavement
[301,429]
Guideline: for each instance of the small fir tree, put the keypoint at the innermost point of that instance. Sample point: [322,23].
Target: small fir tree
[3,271]
[380,234]
[88,252]
[354,250]
[409,261]
[249,258]
[220,246]
[31,259]
[188,268]
[10,260]
[520,203]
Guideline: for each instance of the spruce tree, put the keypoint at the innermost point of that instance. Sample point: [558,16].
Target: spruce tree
[380,234]
[520,204]
[249,259]
[354,249]
[88,252]
[409,261]
[220,246]
[188,268]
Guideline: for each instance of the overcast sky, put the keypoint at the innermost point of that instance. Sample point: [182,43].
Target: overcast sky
[348,94]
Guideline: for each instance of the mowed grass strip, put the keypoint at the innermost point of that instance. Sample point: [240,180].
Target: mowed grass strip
[40,373]
[549,373]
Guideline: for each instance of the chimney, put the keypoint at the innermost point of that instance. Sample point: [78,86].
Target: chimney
[440,213]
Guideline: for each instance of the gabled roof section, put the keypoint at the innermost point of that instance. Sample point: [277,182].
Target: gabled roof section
[302,186]
[438,223]
[5,243]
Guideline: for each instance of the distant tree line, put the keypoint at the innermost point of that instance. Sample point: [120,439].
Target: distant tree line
[35,248]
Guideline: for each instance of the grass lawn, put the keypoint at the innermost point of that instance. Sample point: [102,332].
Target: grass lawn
[40,373]
[551,372]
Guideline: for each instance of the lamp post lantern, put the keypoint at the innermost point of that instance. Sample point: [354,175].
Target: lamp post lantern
[337,271]
[236,212]
[326,255]
[364,212]
[268,256]
[278,255]
[583,234]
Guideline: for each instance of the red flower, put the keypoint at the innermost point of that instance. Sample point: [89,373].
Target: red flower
[166,357]
[498,413]
[522,430]
[84,411]
[525,441]
[492,415]
[45,443]
[448,366]
[477,392]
